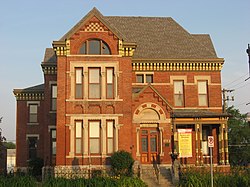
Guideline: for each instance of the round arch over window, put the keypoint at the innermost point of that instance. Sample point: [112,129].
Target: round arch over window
[95,47]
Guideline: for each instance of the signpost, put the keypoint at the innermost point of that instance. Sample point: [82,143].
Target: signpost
[211,145]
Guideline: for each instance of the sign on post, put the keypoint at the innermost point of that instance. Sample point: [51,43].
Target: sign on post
[210,141]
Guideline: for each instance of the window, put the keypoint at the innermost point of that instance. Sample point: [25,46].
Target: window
[94,83]
[32,144]
[110,83]
[78,134]
[149,78]
[95,47]
[53,97]
[53,142]
[144,78]
[94,137]
[202,93]
[110,137]
[33,113]
[79,83]
[178,93]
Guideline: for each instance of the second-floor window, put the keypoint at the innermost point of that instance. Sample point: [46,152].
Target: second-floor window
[79,83]
[110,83]
[202,93]
[178,93]
[144,78]
[33,118]
[94,83]
[53,97]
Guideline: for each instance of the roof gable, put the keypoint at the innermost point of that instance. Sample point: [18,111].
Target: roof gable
[150,88]
[89,23]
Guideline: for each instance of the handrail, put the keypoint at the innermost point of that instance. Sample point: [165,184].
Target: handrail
[157,170]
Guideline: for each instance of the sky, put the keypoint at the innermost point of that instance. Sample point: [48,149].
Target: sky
[27,27]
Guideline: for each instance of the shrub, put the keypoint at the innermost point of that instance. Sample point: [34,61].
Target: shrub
[122,163]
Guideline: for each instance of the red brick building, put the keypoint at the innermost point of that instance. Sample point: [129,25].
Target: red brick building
[140,84]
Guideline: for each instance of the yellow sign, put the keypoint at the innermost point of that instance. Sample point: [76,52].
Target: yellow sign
[185,142]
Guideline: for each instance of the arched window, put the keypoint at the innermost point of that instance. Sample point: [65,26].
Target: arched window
[94,47]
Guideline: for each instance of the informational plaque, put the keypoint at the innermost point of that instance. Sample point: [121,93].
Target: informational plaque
[185,142]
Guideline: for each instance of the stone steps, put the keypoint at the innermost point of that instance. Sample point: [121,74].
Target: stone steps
[149,177]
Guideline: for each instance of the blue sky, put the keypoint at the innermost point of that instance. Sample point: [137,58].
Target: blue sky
[28,27]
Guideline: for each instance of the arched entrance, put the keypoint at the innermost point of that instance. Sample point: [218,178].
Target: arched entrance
[149,118]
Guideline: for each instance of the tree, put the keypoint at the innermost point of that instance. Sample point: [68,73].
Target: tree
[238,137]
[2,138]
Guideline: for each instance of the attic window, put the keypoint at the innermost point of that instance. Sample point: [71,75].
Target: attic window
[95,47]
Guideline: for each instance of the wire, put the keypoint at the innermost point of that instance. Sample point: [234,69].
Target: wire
[235,80]
[237,88]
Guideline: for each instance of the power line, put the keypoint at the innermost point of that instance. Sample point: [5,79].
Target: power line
[235,80]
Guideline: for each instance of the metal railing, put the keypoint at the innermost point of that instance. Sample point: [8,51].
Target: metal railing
[157,169]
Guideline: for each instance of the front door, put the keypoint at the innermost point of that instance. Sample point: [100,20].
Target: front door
[149,145]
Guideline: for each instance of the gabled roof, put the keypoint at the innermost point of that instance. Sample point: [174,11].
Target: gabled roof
[94,12]
[155,37]
[135,95]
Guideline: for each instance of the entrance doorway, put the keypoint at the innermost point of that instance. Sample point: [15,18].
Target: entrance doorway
[149,145]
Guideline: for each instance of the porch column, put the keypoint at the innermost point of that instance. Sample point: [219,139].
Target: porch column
[221,144]
[161,140]
[138,141]
[175,138]
[197,126]
[226,144]
[201,151]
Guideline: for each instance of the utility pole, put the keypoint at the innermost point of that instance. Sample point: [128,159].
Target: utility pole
[248,52]
[226,98]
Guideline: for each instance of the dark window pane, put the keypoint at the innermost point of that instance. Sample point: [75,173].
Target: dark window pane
[94,47]
[153,144]
[105,49]
[149,78]
[83,48]
[32,141]
[110,91]
[144,143]
[139,79]
[79,91]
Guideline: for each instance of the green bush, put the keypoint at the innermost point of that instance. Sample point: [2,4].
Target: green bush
[122,163]
[18,181]
[237,178]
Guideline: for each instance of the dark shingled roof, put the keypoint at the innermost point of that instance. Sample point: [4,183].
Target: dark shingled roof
[193,113]
[162,38]
[49,56]
[38,88]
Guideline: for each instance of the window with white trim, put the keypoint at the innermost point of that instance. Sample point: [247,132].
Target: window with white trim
[53,97]
[33,113]
[94,83]
[109,83]
[110,137]
[94,137]
[78,136]
[202,93]
[178,93]
[79,83]
[144,78]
